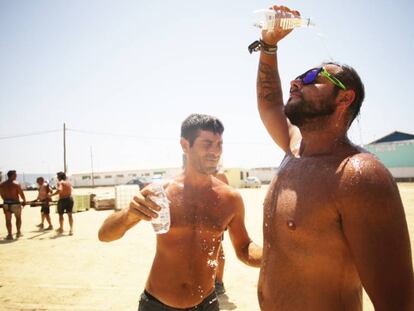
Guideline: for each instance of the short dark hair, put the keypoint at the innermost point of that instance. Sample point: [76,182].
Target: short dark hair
[351,79]
[196,122]
[11,173]
[39,179]
[61,176]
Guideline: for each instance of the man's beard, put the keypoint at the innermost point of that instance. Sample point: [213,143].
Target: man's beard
[302,112]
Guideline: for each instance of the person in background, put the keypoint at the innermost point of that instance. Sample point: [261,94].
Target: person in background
[221,259]
[11,192]
[65,202]
[44,198]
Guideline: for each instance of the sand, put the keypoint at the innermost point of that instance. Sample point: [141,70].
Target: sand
[44,271]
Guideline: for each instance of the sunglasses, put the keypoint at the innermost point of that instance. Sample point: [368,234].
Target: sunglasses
[310,76]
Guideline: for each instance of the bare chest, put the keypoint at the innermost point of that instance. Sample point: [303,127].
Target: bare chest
[301,200]
[205,213]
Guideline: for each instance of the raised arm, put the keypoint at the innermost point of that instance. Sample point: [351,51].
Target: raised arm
[140,208]
[375,228]
[269,91]
[246,250]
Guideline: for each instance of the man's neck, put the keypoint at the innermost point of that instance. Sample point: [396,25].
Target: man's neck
[195,178]
[322,142]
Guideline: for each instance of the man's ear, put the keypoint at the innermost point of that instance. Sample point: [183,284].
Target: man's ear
[185,145]
[345,98]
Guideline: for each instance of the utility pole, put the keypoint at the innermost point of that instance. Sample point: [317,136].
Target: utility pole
[93,179]
[64,148]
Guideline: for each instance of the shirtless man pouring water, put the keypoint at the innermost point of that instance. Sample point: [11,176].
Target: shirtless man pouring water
[201,207]
[333,217]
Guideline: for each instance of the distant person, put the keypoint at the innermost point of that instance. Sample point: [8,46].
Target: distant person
[184,267]
[44,197]
[221,259]
[11,192]
[65,202]
[333,217]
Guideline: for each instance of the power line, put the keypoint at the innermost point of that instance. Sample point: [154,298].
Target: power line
[29,134]
[117,134]
[158,138]
[97,133]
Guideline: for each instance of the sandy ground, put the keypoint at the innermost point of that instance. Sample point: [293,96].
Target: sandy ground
[43,271]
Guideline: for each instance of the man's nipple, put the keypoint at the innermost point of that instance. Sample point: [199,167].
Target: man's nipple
[291,225]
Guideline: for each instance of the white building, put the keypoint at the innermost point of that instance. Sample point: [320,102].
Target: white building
[265,174]
[113,178]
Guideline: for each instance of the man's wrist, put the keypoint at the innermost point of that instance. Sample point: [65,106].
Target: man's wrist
[260,45]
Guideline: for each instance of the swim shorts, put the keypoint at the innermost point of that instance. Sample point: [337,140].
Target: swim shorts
[14,207]
[45,207]
[150,303]
[65,205]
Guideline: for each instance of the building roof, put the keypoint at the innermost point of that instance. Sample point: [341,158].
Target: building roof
[394,136]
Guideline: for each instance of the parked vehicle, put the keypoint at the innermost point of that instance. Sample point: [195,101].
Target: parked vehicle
[251,182]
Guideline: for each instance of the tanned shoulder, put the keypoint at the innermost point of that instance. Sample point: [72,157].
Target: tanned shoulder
[363,175]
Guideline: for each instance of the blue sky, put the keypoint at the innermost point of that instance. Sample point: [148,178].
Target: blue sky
[136,69]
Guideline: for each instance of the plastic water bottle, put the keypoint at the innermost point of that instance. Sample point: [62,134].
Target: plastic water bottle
[161,224]
[271,19]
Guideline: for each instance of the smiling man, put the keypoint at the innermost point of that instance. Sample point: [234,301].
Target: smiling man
[201,207]
[333,217]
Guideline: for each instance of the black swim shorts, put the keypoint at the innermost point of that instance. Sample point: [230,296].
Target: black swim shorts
[150,303]
[65,205]
[45,208]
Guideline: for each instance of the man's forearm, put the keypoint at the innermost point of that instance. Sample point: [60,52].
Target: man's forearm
[269,90]
[115,226]
[251,255]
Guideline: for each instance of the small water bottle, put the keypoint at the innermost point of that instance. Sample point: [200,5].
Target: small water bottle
[161,224]
[271,19]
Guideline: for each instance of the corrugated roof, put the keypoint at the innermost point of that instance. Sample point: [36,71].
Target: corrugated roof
[394,136]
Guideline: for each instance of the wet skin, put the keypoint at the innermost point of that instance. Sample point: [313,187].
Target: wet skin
[185,276]
[307,264]
[201,207]
[333,216]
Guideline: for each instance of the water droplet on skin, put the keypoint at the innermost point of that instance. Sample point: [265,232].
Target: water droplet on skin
[291,225]
[212,263]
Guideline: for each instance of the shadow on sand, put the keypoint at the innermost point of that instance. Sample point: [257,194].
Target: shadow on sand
[225,303]
[4,241]
[58,236]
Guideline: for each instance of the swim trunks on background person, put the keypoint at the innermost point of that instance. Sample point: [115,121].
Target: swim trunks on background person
[45,207]
[11,206]
[65,205]
[150,303]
